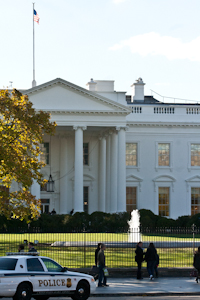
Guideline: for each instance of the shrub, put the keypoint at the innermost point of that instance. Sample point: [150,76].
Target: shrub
[165,222]
[148,218]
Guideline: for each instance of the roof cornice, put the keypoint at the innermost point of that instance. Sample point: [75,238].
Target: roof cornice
[163,124]
[84,112]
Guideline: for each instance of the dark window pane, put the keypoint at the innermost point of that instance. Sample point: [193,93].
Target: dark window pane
[7,263]
[33,264]
[86,154]
[85,198]
[45,206]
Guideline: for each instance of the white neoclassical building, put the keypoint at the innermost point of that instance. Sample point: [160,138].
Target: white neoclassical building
[114,152]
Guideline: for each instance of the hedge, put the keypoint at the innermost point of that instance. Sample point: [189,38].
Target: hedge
[95,222]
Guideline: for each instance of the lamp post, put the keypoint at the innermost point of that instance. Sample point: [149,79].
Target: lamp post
[50,184]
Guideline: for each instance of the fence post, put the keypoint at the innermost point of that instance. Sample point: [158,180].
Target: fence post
[193,232]
[84,232]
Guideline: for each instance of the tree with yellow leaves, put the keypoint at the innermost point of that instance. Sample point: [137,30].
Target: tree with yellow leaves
[21,133]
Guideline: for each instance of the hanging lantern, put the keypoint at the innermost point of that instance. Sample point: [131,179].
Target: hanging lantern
[50,184]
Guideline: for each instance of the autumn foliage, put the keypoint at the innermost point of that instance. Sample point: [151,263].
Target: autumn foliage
[21,133]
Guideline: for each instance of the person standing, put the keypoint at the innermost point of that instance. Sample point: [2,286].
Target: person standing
[101,265]
[139,259]
[96,253]
[21,248]
[31,247]
[196,262]
[156,265]
[150,257]
[53,212]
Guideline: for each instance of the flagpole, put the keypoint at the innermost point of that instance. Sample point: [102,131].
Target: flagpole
[33,82]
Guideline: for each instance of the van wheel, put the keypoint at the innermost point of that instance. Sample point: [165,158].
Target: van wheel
[82,291]
[24,292]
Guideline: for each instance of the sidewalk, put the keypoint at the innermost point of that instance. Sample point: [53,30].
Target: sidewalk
[160,286]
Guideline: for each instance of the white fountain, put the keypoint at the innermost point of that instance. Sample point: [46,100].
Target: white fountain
[134,227]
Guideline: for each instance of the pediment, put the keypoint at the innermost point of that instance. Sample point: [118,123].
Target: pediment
[195,178]
[62,96]
[164,178]
[133,178]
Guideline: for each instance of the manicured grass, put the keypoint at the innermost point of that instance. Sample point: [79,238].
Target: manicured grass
[89,237]
[77,257]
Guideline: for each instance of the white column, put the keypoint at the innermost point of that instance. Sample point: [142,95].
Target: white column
[108,143]
[113,173]
[121,193]
[78,170]
[102,174]
[64,209]
[35,189]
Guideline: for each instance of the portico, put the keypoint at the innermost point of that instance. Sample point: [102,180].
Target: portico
[110,190]
[84,119]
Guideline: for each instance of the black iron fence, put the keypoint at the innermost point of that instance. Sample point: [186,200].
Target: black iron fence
[175,246]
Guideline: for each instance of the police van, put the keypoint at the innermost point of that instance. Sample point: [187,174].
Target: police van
[25,275]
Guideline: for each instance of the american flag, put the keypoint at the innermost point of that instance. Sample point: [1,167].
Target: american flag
[36,17]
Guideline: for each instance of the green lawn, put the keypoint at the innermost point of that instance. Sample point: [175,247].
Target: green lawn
[77,257]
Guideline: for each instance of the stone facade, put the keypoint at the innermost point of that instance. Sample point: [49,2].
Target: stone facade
[138,152]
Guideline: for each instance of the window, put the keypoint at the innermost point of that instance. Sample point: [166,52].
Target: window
[51,265]
[163,154]
[163,201]
[86,154]
[7,263]
[195,154]
[131,198]
[131,154]
[85,198]
[43,188]
[33,264]
[45,206]
[195,201]
[44,156]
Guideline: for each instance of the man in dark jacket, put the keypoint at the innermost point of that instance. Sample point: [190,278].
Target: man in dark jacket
[31,247]
[101,265]
[96,253]
[139,259]
[196,262]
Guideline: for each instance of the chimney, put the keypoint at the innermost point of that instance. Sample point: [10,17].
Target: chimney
[91,85]
[138,90]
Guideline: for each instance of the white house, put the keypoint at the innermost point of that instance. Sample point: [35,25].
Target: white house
[113,152]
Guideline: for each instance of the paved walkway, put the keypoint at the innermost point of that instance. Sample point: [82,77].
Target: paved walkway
[160,286]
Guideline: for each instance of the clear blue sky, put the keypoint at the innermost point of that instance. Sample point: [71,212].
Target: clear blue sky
[121,40]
